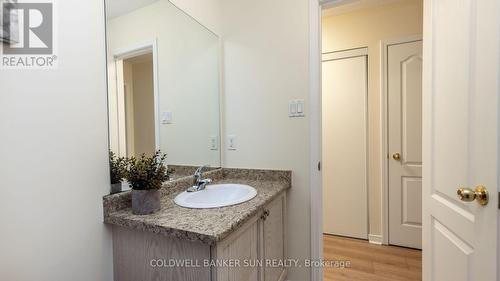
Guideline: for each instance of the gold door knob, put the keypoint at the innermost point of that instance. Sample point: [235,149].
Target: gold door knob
[468,195]
[396,156]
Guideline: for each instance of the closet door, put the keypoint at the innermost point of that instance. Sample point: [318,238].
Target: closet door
[344,104]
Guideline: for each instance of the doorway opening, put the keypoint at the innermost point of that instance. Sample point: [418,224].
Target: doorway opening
[133,101]
[371,127]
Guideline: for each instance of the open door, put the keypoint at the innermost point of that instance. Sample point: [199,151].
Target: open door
[460,142]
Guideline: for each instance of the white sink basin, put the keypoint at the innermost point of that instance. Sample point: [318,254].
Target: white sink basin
[215,196]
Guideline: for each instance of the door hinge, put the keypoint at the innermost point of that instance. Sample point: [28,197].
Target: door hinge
[319,166]
[498,200]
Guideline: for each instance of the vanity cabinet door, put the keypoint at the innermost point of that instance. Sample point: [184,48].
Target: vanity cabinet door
[274,238]
[263,239]
[243,245]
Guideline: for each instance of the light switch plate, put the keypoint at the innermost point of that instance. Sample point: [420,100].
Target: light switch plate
[166,117]
[231,142]
[296,108]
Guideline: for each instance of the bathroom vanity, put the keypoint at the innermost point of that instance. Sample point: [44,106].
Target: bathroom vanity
[235,243]
[164,94]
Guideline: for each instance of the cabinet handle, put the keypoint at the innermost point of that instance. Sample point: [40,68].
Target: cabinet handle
[265,214]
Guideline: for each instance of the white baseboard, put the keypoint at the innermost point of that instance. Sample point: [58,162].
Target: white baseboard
[375,239]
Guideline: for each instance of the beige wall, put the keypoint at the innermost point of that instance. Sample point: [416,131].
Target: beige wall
[366,28]
[266,55]
[144,127]
[54,158]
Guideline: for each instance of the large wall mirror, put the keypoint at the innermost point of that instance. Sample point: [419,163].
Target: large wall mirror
[163,84]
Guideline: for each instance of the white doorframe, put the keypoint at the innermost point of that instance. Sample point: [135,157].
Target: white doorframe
[315,181]
[384,170]
[141,48]
[315,136]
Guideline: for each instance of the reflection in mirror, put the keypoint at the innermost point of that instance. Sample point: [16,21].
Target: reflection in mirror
[163,84]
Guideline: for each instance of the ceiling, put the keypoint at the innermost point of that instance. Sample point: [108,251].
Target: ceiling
[343,7]
[116,8]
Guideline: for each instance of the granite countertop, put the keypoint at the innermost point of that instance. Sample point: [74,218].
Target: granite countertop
[202,225]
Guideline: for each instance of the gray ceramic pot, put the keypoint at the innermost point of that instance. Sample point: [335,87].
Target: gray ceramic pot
[116,187]
[145,201]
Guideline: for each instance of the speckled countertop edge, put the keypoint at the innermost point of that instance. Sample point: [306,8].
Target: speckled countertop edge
[207,226]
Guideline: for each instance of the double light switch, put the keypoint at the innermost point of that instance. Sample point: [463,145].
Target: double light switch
[296,108]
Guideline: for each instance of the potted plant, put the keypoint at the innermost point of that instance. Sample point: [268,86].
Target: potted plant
[117,171]
[146,176]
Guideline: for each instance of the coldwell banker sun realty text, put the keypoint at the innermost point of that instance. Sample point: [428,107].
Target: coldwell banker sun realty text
[28,34]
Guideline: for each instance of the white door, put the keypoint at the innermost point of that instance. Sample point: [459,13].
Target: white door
[460,139]
[404,90]
[344,143]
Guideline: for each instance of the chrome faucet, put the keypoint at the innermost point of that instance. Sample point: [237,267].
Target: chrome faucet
[199,183]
